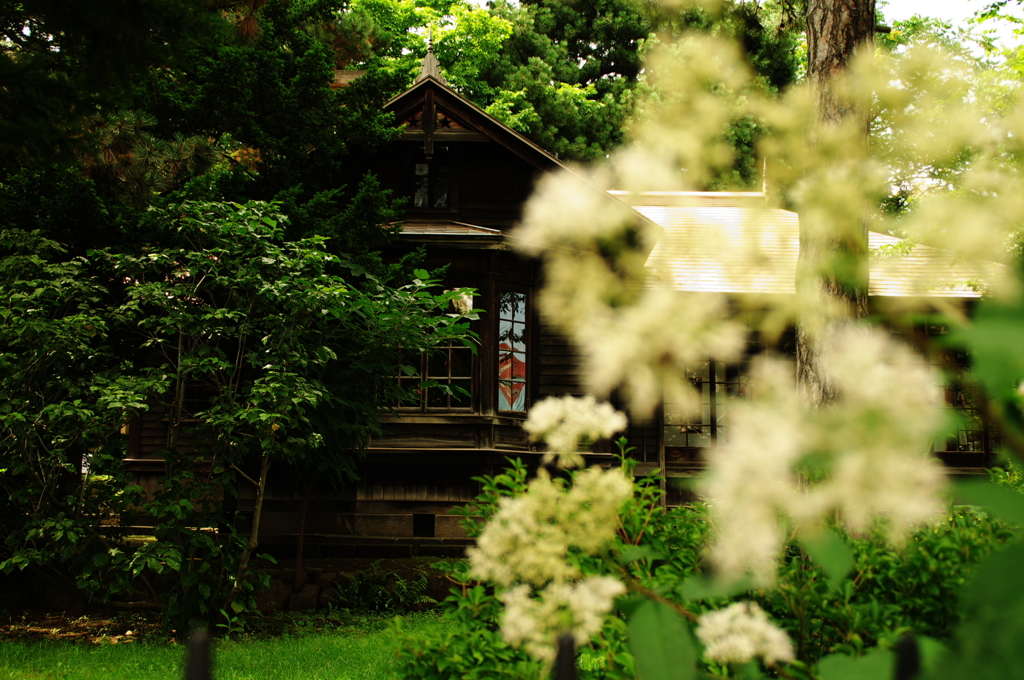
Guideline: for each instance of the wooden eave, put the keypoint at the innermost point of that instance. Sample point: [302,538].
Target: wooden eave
[451,234]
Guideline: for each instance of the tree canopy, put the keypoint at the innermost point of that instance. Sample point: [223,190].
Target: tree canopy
[178,236]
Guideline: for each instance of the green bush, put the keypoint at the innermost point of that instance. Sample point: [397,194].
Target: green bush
[379,591]
[887,593]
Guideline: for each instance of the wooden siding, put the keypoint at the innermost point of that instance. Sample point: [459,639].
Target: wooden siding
[560,365]
[489,184]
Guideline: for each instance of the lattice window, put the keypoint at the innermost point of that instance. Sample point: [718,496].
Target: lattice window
[448,374]
[971,436]
[717,382]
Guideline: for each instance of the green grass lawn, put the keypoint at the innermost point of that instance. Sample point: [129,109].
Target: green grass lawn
[362,652]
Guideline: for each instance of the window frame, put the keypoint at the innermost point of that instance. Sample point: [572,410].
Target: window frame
[522,377]
[423,364]
[417,155]
[715,393]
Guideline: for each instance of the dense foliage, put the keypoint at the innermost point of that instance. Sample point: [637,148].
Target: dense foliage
[183,235]
[252,347]
[876,596]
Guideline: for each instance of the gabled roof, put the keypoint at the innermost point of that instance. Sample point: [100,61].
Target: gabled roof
[431,110]
[735,243]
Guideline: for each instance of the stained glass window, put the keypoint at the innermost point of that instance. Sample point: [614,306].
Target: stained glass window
[512,352]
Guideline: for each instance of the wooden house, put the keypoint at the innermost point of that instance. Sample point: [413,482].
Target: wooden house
[467,177]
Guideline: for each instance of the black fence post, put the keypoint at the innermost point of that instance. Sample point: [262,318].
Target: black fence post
[908,658]
[565,662]
[198,665]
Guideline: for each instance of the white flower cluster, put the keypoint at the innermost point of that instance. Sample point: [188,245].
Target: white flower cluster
[742,632]
[530,537]
[633,335]
[568,424]
[526,547]
[578,608]
[872,443]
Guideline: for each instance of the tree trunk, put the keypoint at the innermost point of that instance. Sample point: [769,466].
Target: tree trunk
[307,490]
[836,31]
[243,562]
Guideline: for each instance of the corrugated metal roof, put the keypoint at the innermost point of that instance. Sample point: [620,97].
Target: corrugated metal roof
[734,243]
[926,271]
[711,249]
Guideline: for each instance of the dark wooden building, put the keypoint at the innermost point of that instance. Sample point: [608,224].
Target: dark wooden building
[467,177]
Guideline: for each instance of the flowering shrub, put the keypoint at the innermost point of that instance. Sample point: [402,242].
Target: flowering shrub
[826,507]
[742,632]
[499,627]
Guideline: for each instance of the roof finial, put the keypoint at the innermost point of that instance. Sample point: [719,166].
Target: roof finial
[430,67]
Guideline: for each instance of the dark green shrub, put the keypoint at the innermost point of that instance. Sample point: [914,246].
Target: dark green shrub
[887,593]
[379,591]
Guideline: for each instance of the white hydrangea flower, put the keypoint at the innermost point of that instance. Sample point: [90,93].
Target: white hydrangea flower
[893,409]
[569,423]
[752,476]
[576,608]
[742,632]
[874,441]
[529,538]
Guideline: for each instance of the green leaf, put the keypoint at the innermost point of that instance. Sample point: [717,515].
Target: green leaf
[701,587]
[931,651]
[632,553]
[987,646]
[877,664]
[661,643]
[421,274]
[1002,502]
[830,553]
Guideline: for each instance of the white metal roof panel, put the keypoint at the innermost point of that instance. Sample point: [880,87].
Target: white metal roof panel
[734,243]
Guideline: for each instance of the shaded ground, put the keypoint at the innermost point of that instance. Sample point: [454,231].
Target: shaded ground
[99,624]
[95,625]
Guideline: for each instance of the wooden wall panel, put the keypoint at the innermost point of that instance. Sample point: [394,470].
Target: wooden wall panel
[560,365]
[448,526]
[511,437]
[426,436]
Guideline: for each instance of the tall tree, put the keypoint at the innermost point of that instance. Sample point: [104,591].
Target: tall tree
[833,256]
[62,62]
[224,115]
[836,31]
